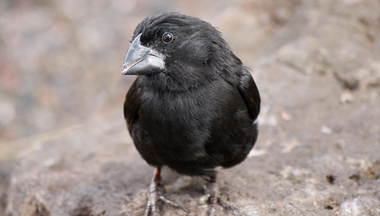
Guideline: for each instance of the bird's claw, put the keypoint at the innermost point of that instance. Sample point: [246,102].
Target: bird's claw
[212,196]
[166,200]
[227,207]
[156,193]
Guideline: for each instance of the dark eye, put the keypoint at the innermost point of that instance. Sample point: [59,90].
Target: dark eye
[167,37]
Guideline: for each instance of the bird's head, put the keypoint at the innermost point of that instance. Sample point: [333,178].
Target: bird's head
[180,50]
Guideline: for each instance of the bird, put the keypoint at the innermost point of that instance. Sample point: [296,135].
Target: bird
[193,106]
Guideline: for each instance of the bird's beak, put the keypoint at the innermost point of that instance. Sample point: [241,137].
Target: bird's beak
[142,60]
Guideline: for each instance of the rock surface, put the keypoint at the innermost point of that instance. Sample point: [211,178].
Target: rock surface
[317,67]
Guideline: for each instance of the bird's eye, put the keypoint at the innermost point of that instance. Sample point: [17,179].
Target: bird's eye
[167,37]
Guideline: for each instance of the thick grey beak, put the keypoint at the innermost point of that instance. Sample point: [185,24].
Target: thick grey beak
[141,60]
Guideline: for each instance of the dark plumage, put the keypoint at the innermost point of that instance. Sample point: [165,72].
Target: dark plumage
[194,105]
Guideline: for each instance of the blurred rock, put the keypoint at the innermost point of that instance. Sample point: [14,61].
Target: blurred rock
[5,175]
[84,171]
[360,206]
[346,97]
[326,130]
[257,152]
[285,116]
[289,146]
[330,179]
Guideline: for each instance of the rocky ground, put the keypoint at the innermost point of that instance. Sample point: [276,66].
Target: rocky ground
[317,66]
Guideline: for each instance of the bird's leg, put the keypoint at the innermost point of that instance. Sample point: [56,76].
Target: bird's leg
[212,194]
[212,191]
[156,193]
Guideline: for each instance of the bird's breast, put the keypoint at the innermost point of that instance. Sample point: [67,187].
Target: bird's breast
[173,114]
[175,125]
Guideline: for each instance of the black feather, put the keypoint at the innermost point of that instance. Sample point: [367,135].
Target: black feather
[199,113]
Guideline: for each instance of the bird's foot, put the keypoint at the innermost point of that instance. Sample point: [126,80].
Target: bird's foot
[212,197]
[156,194]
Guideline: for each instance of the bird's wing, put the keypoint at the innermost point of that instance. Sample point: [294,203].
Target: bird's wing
[248,90]
[132,104]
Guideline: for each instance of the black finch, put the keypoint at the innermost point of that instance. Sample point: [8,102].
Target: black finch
[193,106]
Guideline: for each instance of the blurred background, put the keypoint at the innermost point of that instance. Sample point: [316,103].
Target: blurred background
[60,60]
[316,63]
